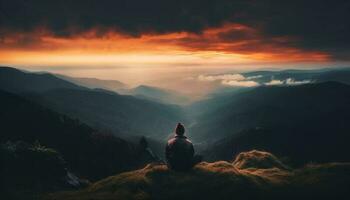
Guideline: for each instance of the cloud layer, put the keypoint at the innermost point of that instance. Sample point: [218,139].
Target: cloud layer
[288,81]
[235,80]
[238,80]
[320,26]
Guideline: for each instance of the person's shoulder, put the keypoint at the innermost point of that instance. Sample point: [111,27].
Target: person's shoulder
[184,138]
[172,140]
[181,139]
[188,141]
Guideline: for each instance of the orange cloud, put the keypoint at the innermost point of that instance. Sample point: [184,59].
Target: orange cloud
[248,42]
[230,43]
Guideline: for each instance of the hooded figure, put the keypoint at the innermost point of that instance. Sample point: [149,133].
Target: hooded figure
[179,151]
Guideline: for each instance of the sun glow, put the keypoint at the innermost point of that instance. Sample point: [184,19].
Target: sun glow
[213,46]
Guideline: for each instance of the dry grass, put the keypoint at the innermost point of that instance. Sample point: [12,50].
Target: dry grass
[259,160]
[218,180]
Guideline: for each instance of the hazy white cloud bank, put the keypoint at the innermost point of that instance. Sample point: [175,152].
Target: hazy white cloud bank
[254,77]
[236,77]
[288,81]
[240,83]
[238,80]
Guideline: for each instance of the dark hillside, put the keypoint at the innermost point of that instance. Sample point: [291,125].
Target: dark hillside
[323,107]
[16,81]
[89,153]
[302,123]
[122,114]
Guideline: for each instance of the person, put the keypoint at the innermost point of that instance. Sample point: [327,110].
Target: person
[179,151]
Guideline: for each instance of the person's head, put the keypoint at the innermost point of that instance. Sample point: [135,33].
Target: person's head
[180,129]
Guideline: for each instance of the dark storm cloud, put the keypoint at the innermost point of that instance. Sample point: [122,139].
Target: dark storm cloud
[321,25]
[131,16]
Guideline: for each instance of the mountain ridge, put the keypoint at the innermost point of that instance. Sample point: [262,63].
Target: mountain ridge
[17,81]
[70,137]
[278,100]
[93,83]
[159,95]
[63,96]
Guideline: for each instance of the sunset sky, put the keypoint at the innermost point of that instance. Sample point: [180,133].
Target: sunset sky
[138,41]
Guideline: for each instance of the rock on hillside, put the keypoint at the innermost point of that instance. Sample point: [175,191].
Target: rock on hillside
[242,179]
[258,159]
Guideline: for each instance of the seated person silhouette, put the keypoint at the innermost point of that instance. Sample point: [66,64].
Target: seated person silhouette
[179,151]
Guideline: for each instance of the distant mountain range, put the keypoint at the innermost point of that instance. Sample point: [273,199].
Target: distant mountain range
[301,121]
[305,122]
[123,115]
[94,83]
[159,95]
[16,81]
[314,75]
[142,91]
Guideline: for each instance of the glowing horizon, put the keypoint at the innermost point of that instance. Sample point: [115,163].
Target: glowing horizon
[42,48]
[158,59]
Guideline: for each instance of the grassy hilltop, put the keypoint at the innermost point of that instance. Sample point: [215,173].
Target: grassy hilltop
[252,175]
